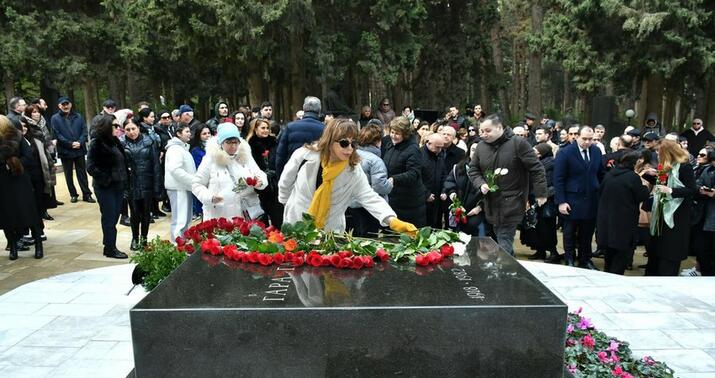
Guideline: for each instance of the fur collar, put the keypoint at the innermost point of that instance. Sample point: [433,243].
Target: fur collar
[221,158]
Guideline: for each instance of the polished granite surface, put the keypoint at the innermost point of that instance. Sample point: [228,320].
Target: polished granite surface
[482,277]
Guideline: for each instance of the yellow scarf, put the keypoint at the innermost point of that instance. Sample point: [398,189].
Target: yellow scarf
[320,205]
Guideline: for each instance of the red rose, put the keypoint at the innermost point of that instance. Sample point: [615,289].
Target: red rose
[335,260]
[180,241]
[300,253]
[265,259]
[447,250]
[345,253]
[189,249]
[421,260]
[241,256]
[230,251]
[297,260]
[464,220]
[368,261]
[382,255]
[253,257]
[345,263]
[357,263]
[209,244]
[278,258]
[289,256]
[434,257]
[660,167]
[250,181]
[244,229]
[326,260]
[265,153]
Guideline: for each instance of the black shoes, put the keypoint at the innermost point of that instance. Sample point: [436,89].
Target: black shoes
[74,199]
[165,208]
[569,261]
[58,203]
[135,246]
[588,265]
[539,255]
[555,258]
[46,216]
[88,199]
[599,254]
[124,221]
[39,251]
[159,214]
[115,254]
[13,251]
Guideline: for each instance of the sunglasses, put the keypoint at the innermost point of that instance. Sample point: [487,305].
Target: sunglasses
[696,123]
[344,143]
[702,155]
[385,104]
[165,117]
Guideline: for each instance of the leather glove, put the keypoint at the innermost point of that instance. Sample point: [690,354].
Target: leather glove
[403,227]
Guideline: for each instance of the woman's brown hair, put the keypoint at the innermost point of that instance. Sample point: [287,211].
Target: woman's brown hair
[335,130]
[369,135]
[670,153]
[9,146]
[401,125]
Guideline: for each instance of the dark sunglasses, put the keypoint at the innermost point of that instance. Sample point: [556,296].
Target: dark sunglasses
[385,104]
[165,117]
[702,155]
[344,143]
[696,123]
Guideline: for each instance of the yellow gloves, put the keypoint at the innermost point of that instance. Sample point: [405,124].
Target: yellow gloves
[403,227]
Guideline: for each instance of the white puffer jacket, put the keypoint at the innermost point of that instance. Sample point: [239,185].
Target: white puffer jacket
[218,174]
[179,167]
[297,186]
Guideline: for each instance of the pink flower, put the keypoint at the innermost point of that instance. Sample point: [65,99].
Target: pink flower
[649,360]
[603,357]
[613,346]
[579,310]
[618,371]
[588,341]
[569,329]
[570,342]
[626,375]
[585,323]
[572,368]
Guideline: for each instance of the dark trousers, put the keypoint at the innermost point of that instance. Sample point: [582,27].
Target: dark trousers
[579,233]
[617,261]
[78,164]
[361,222]
[434,213]
[110,206]
[661,267]
[140,214]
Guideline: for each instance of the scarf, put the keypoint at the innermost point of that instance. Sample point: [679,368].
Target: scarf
[670,205]
[320,205]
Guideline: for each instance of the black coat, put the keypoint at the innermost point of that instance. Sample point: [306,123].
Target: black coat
[106,164]
[144,169]
[672,244]
[433,171]
[408,195]
[17,200]
[453,155]
[618,208]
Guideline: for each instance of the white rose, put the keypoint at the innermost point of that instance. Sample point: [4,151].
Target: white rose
[504,171]
[497,171]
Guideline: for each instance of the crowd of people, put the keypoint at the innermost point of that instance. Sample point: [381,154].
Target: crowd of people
[472,173]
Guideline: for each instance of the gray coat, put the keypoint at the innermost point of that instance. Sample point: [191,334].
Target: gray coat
[375,170]
[507,205]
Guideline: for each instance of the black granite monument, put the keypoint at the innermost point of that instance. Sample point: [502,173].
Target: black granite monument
[480,315]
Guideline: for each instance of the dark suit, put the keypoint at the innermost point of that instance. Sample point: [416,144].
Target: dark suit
[576,182]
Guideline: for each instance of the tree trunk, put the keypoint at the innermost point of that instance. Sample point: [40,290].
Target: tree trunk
[502,99]
[709,116]
[90,102]
[654,100]
[255,84]
[567,105]
[669,111]
[297,90]
[8,83]
[534,97]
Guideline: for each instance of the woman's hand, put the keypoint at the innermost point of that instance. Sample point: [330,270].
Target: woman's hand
[391,181]
[664,189]
[484,188]
[474,211]
[216,199]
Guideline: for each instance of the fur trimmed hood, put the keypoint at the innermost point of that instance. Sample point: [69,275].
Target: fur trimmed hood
[9,140]
[220,157]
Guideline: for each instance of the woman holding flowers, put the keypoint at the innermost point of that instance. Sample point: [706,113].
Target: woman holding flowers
[672,203]
[323,179]
[263,148]
[228,177]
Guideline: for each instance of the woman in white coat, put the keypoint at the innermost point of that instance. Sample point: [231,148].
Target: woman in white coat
[224,182]
[178,177]
[325,178]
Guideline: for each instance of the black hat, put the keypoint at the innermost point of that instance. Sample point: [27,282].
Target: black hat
[530,116]
[63,99]
[634,132]
[650,136]
[109,103]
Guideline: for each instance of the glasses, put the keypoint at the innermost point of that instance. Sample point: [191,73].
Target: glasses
[696,123]
[344,143]
[573,133]
[385,104]
[702,155]
[165,117]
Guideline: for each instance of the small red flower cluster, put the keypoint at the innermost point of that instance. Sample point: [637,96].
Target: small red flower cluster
[231,252]
[459,213]
[662,175]
[251,181]
[340,260]
[434,257]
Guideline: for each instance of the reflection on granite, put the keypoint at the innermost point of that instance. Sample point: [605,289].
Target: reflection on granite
[480,314]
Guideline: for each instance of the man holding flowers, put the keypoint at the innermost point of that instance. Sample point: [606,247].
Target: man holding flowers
[503,167]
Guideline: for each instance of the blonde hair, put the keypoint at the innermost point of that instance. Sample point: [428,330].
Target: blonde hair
[335,130]
[253,125]
[670,152]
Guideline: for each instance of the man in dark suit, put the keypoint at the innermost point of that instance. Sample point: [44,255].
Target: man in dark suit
[577,173]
